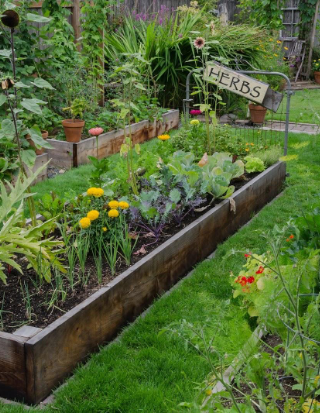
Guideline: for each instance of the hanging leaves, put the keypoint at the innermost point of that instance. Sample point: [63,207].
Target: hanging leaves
[31,17]
[32,105]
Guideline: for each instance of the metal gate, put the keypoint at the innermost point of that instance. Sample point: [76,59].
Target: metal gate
[273,131]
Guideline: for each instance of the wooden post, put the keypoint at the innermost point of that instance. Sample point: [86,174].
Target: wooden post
[312,38]
[76,22]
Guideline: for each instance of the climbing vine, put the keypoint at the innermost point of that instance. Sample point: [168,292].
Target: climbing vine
[95,19]
[307,10]
[266,13]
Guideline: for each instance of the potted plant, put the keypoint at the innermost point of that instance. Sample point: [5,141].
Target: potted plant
[73,127]
[257,113]
[316,70]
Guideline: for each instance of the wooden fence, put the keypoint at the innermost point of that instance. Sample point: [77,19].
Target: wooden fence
[128,6]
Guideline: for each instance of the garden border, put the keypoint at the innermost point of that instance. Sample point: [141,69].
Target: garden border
[68,154]
[31,365]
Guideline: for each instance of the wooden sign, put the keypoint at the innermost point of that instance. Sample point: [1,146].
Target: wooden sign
[250,88]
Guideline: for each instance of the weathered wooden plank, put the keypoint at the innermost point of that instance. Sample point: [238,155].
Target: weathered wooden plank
[61,154]
[55,351]
[12,366]
[68,155]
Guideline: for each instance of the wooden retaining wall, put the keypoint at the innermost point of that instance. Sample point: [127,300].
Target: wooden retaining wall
[67,154]
[31,368]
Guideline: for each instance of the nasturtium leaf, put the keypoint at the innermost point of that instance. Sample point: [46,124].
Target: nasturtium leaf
[31,17]
[28,157]
[236,293]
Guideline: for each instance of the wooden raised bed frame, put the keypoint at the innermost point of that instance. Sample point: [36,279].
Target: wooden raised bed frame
[31,365]
[68,154]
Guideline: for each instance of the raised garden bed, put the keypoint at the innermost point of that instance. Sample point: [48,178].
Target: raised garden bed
[34,361]
[67,154]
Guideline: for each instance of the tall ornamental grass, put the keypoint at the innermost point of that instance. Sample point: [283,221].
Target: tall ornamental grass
[167,48]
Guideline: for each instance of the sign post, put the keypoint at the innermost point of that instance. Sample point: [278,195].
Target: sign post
[250,88]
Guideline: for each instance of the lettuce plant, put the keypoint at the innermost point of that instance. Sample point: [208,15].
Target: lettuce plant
[254,164]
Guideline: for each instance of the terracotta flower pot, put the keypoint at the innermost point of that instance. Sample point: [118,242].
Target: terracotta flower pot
[40,151]
[317,77]
[258,113]
[73,129]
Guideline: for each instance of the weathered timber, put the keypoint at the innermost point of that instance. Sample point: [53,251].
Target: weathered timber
[12,366]
[53,353]
[68,155]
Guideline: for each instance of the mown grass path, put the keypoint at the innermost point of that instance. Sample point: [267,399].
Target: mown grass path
[143,371]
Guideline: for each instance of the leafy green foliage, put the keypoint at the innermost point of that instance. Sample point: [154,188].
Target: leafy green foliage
[28,241]
[218,172]
[263,13]
[50,205]
[254,164]
[167,52]
[77,108]
[100,169]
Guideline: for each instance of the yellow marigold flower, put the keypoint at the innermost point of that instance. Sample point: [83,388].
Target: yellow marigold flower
[85,223]
[194,122]
[247,149]
[96,192]
[286,48]
[276,55]
[164,137]
[113,204]
[91,191]
[247,143]
[104,229]
[279,42]
[93,215]
[99,192]
[113,213]
[123,205]
[252,144]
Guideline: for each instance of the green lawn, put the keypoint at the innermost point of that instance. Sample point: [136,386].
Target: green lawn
[146,372]
[305,107]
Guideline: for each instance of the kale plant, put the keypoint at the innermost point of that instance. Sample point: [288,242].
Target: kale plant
[164,198]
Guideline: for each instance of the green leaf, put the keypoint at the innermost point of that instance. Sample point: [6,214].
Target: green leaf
[43,84]
[3,99]
[175,195]
[31,105]
[7,129]
[37,139]
[28,157]
[21,85]
[5,53]
[3,164]
[31,17]
[137,149]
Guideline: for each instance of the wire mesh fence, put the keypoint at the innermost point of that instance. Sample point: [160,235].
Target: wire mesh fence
[273,130]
